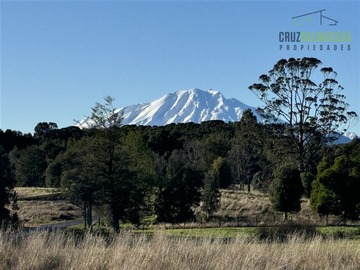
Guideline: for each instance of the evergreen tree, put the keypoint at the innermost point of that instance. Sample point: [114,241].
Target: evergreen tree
[43,129]
[30,165]
[221,167]
[324,201]
[53,174]
[103,116]
[142,167]
[106,123]
[286,190]
[245,150]
[179,190]
[210,195]
[10,139]
[7,193]
[335,190]
[113,166]
[81,175]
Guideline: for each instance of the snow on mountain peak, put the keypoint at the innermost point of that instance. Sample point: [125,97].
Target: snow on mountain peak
[193,105]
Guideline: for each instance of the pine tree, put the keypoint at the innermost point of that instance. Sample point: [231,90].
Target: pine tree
[245,150]
[7,193]
[211,195]
[179,190]
[113,169]
[286,190]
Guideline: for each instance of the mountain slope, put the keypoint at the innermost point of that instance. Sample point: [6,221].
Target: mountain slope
[184,106]
[192,105]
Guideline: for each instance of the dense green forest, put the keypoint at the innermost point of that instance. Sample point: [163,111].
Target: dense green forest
[162,173]
[137,172]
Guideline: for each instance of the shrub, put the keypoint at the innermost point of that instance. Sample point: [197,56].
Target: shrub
[283,233]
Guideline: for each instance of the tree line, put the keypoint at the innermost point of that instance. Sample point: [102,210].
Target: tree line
[139,174]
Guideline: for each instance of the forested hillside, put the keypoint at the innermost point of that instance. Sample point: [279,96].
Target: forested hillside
[139,172]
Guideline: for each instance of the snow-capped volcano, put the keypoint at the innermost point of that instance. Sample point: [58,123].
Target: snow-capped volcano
[184,106]
[193,105]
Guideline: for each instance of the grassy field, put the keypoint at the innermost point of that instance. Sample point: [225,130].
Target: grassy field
[37,193]
[39,206]
[182,248]
[41,250]
[275,233]
[256,206]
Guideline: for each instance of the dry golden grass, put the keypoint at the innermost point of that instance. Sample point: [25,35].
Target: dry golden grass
[40,250]
[39,206]
[27,193]
[257,207]
[240,203]
[35,213]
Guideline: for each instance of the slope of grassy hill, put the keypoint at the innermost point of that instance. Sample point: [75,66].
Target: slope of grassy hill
[255,208]
[39,206]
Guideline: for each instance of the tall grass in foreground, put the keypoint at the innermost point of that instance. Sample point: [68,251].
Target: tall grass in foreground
[41,250]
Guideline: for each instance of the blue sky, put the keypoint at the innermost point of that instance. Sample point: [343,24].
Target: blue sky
[59,57]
